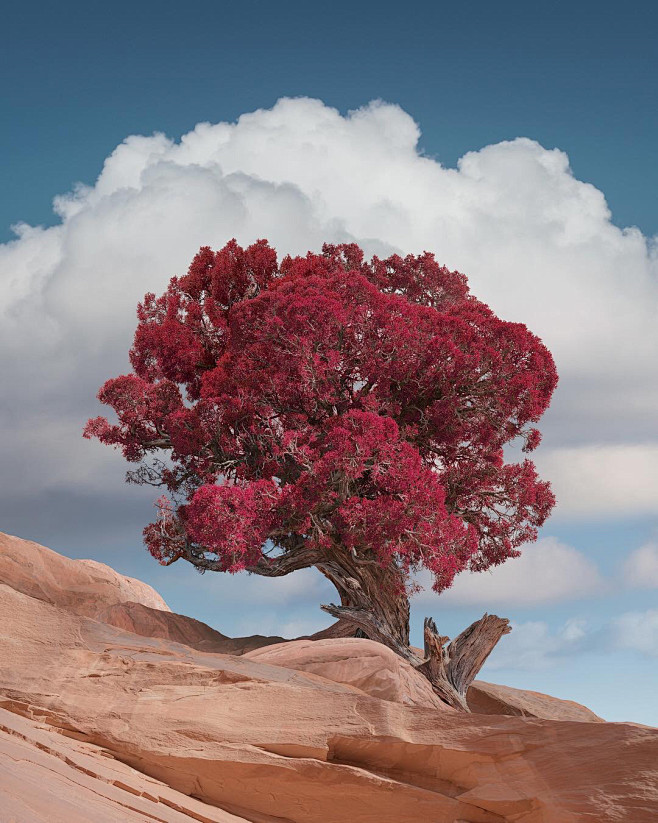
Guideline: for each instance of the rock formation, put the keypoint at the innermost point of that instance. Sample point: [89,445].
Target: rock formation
[112,708]
[80,586]
[487,698]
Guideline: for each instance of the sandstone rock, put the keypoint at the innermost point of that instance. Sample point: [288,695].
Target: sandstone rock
[368,666]
[82,586]
[149,622]
[46,777]
[93,589]
[241,737]
[487,698]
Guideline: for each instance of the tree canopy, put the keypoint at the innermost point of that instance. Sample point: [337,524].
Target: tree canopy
[328,403]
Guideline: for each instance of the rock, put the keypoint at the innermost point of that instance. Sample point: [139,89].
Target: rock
[368,666]
[95,590]
[149,622]
[82,586]
[49,778]
[205,734]
[487,698]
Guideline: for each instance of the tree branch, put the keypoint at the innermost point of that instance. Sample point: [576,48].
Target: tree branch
[373,627]
[341,628]
[452,668]
[469,651]
[301,557]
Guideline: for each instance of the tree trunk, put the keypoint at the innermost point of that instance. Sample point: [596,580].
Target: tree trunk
[374,604]
[373,599]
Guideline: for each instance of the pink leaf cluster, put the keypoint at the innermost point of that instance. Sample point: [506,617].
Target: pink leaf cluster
[328,401]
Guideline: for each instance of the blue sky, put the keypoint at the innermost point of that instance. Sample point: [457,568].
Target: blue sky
[80,76]
[515,216]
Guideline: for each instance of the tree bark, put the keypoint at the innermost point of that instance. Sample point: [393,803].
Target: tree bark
[452,666]
[373,599]
[375,605]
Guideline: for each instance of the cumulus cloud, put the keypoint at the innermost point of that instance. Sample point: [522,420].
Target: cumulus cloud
[533,645]
[547,572]
[602,480]
[637,631]
[641,567]
[536,243]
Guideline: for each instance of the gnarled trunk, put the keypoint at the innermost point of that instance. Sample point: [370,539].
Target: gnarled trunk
[374,604]
[373,599]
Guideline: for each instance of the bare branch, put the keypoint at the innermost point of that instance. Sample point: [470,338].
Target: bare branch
[452,667]
[291,561]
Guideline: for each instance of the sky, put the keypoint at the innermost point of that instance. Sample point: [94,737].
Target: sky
[516,142]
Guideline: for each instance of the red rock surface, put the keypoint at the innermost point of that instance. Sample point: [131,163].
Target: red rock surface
[368,666]
[149,622]
[101,724]
[488,698]
[49,778]
[81,586]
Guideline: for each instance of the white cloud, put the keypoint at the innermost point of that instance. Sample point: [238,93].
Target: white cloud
[536,243]
[533,645]
[641,567]
[637,631]
[547,572]
[603,480]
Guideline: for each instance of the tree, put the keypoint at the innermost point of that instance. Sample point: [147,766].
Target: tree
[341,414]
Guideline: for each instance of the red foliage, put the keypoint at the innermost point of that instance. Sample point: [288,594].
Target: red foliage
[332,402]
